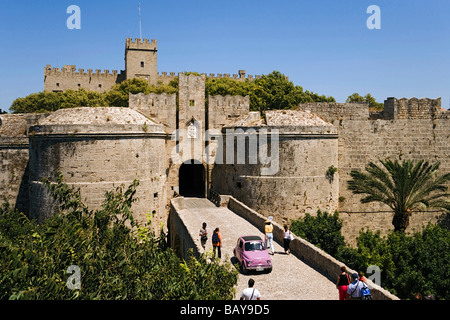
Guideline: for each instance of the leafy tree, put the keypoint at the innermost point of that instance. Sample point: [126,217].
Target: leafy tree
[46,101]
[36,102]
[323,230]
[409,263]
[355,97]
[274,92]
[119,93]
[373,104]
[228,86]
[269,92]
[116,261]
[81,98]
[405,187]
[118,96]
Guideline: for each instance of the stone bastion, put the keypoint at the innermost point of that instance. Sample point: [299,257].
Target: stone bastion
[304,148]
[97,150]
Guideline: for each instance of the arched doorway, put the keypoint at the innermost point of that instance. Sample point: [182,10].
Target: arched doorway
[191,179]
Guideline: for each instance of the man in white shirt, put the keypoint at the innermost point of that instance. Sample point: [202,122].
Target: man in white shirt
[251,293]
[354,288]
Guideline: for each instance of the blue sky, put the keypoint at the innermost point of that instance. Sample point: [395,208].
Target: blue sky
[322,45]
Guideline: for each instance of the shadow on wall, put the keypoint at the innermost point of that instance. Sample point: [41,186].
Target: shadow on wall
[23,196]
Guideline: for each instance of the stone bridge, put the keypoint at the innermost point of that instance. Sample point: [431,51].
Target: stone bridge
[308,273]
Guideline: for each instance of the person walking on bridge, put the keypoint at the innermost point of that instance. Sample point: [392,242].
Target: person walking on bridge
[354,288]
[286,238]
[203,235]
[217,243]
[250,293]
[268,231]
[342,283]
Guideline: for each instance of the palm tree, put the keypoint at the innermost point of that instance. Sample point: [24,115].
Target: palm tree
[404,187]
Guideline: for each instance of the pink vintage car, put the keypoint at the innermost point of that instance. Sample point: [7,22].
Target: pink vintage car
[251,252]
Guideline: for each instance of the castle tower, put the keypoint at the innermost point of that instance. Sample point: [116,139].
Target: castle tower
[191,116]
[190,164]
[140,59]
[191,100]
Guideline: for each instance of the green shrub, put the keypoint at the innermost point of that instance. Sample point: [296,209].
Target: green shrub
[115,261]
[323,230]
[268,92]
[415,263]
[409,263]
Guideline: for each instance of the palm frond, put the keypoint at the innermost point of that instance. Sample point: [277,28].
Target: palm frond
[403,186]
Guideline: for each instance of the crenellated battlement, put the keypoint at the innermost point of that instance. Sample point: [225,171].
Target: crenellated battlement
[140,62]
[164,74]
[71,70]
[165,78]
[68,77]
[225,109]
[412,108]
[140,44]
[394,109]
[152,99]
[240,76]
[160,107]
[229,101]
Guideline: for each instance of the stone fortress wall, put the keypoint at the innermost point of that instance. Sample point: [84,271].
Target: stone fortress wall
[301,147]
[156,106]
[14,150]
[68,77]
[96,151]
[416,129]
[312,139]
[140,62]
[101,149]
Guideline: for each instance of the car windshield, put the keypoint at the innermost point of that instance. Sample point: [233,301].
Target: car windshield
[254,246]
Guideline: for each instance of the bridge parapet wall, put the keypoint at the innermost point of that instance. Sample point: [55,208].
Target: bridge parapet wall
[315,257]
[182,240]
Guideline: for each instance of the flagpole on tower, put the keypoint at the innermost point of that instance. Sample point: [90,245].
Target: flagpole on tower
[140,28]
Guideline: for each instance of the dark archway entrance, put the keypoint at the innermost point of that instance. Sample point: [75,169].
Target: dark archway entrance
[191,179]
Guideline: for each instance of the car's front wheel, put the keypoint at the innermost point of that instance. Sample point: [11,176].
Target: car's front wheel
[244,268]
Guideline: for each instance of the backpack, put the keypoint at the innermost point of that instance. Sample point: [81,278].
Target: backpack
[215,238]
[365,293]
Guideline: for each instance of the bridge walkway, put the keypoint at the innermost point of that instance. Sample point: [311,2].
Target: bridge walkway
[291,278]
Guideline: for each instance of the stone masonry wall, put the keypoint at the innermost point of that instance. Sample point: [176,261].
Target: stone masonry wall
[97,164]
[331,111]
[406,129]
[141,59]
[413,108]
[14,169]
[222,110]
[300,185]
[56,79]
[363,141]
[161,108]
